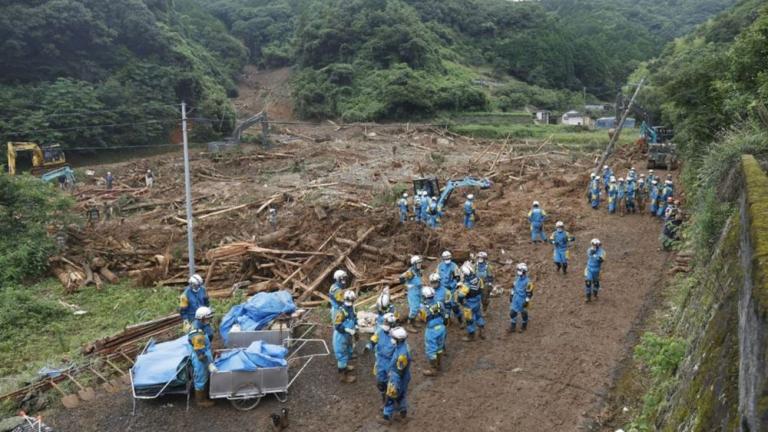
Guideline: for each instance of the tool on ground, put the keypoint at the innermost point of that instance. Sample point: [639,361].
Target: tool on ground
[107,385]
[124,377]
[85,393]
[69,401]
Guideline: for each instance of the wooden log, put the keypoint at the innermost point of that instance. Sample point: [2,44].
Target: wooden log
[328,270]
[109,275]
[367,248]
[61,275]
[97,280]
[88,275]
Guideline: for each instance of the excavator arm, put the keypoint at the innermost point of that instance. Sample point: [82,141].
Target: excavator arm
[450,185]
[15,147]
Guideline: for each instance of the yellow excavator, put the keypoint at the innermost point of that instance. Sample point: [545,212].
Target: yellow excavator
[48,162]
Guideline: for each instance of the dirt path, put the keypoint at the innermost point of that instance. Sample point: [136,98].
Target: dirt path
[551,378]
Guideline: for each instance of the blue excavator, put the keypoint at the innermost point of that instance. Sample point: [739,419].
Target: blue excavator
[432,186]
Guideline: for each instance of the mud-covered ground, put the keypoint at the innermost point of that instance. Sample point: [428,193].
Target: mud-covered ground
[552,378]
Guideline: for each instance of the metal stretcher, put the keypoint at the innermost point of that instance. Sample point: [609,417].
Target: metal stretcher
[180,384]
[244,389]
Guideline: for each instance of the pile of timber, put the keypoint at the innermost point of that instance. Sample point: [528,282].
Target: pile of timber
[131,335]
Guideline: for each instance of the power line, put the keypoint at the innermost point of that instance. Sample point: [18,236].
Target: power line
[91,127]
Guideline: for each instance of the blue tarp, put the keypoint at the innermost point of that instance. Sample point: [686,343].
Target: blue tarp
[257,355]
[160,362]
[258,312]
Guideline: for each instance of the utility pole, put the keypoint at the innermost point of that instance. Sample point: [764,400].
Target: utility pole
[187,190]
[620,126]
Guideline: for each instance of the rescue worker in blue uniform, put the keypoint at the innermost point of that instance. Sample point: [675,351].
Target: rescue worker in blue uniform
[613,194]
[607,174]
[666,193]
[399,377]
[631,196]
[520,298]
[193,297]
[417,206]
[560,238]
[412,280]
[536,217]
[485,273]
[470,215]
[424,207]
[654,197]
[594,191]
[432,213]
[336,292]
[469,296]
[632,174]
[650,179]
[402,204]
[450,275]
[621,194]
[641,196]
[382,346]
[595,258]
[202,355]
[432,313]
[344,336]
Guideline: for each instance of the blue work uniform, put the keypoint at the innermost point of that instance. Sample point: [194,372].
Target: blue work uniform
[381,312]
[417,208]
[630,200]
[621,191]
[469,295]
[402,204]
[631,175]
[594,193]
[536,217]
[666,192]
[336,295]
[190,300]
[412,280]
[433,217]
[206,328]
[560,239]
[485,273]
[595,260]
[449,279]
[607,173]
[433,314]
[425,210]
[469,214]
[519,298]
[654,196]
[343,342]
[613,194]
[381,344]
[399,377]
[202,356]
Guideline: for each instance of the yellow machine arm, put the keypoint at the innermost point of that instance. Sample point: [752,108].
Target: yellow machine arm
[15,147]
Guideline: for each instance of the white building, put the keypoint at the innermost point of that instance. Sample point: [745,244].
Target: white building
[575,118]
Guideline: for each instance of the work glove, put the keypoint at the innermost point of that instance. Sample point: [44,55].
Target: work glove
[212,368]
[350,331]
[527,299]
[186,326]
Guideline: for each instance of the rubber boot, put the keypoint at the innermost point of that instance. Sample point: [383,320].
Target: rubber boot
[439,362]
[589,298]
[432,370]
[558,265]
[512,328]
[201,399]
[594,294]
[385,421]
[349,377]
[480,333]
[350,368]
[524,327]
[404,417]
[410,327]
[469,337]
[565,268]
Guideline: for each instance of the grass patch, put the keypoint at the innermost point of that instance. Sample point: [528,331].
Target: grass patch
[38,330]
[567,135]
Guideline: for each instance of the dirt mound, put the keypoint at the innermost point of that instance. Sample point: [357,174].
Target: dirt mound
[268,90]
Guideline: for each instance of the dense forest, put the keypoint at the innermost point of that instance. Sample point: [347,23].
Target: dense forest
[89,73]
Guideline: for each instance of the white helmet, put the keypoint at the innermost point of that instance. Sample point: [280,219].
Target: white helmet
[427,292]
[522,268]
[621,179]
[655,181]
[434,277]
[405,194]
[559,224]
[482,255]
[446,255]
[650,171]
[203,312]
[641,181]
[434,198]
[535,203]
[632,168]
[595,242]
[338,275]
[605,166]
[592,175]
[416,259]
[195,280]
[642,175]
[388,320]
[398,334]
[669,182]
[383,301]
[467,268]
[349,297]
[470,197]
[423,192]
[612,179]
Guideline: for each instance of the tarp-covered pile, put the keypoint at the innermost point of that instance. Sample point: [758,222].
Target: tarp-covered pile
[161,363]
[257,355]
[258,312]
